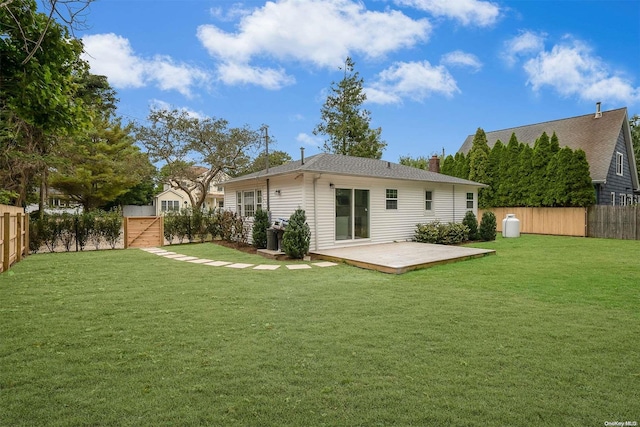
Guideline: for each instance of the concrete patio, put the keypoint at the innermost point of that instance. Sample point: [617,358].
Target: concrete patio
[398,258]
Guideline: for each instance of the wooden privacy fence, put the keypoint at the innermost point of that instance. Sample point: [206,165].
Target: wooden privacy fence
[614,222]
[143,231]
[14,236]
[556,221]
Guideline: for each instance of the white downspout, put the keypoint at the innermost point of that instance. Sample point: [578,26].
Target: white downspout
[315,212]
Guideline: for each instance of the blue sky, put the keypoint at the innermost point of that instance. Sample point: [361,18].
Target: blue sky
[434,70]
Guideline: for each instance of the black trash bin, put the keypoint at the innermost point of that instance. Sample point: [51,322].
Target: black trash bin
[272,239]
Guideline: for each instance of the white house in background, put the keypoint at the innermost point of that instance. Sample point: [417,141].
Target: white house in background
[353,200]
[172,199]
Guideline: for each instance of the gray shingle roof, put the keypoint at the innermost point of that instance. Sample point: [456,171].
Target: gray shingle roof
[596,136]
[355,166]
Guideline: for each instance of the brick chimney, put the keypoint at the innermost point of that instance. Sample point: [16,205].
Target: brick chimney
[434,164]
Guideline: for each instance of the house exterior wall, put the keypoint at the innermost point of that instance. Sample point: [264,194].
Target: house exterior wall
[621,185]
[316,196]
[285,195]
[386,225]
[171,195]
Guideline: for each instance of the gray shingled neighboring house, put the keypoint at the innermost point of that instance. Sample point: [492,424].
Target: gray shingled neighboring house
[605,138]
[352,200]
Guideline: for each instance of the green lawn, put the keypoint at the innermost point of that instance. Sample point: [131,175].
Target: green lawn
[547,332]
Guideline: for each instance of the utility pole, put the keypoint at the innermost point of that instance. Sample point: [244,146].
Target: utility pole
[265,128]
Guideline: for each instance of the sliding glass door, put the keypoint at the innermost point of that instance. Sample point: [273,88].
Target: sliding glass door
[352,214]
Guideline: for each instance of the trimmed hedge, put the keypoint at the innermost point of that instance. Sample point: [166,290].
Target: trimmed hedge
[75,230]
[439,233]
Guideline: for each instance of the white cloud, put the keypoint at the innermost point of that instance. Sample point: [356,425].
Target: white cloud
[317,32]
[459,58]
[413,80]
[526,43]
[238,73]
[112,55]
[571,69]
[309,140]
[468,12]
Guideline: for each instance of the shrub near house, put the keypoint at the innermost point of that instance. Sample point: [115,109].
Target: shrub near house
[455,233]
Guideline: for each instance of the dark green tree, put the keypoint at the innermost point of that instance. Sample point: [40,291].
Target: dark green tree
[448,165]
[462,166]
[345,124]
[100,165]
[471,221]
[554,144]
[494,175]
[260,225]
[511,192]
[579,179]
[479,157]
[38,95]
[539,181]
[297,235]
[479,164]
[523,181]
[488,227]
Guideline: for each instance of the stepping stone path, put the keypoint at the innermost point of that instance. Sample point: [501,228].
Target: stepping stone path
[267,267]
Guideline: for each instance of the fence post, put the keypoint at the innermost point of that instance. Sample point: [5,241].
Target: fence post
[26,235]
[7,241]
[125,224]
[18,237]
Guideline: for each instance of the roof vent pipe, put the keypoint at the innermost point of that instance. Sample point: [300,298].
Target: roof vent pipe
[302,155]
[388,165]
[598,112]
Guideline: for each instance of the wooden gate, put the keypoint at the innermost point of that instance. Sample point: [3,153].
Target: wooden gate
[14,235]
[143,231]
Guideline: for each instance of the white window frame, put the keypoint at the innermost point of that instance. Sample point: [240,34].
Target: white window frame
[613,198]
[391,199]
[169,205]
[470,200]
[249,206]
[619,163]
[248,210]
[623,200]
[428,202]
[258,200]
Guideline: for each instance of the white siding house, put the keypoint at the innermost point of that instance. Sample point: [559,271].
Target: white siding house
[174,199]
[352,200]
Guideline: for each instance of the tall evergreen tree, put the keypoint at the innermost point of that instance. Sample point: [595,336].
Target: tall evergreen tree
[100,166]
[448,166]
[524,179]
[495,172]
[579,178]
[554,144]
[345,123]
[539,183]
[510,175]
[461,166]
[479,164]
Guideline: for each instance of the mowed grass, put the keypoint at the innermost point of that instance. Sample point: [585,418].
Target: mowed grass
[547,332]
